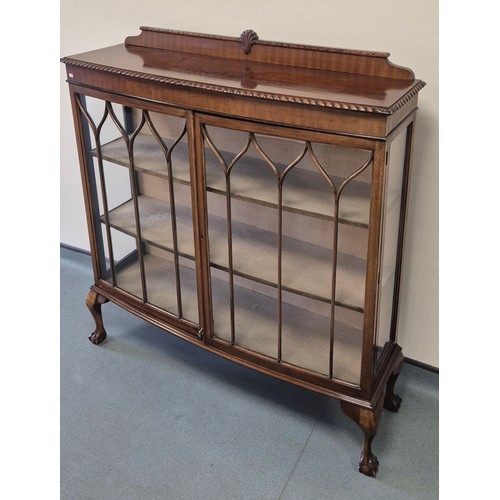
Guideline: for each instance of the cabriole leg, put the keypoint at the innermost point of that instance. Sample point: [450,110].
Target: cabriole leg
[94,302]
[392,401]
[368,422]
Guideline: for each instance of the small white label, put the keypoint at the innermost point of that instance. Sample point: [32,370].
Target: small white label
[70,75]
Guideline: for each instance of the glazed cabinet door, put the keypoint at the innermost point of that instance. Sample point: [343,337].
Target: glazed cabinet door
[287,223]
[139,182]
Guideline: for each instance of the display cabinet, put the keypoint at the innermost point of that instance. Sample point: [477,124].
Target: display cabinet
[250,198]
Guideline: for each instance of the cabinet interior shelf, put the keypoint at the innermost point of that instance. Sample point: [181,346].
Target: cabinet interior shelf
[303,193]
[306,267]
[159,274]
[310,352]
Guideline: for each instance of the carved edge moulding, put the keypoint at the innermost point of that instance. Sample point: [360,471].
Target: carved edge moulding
[252,93]
[355,107]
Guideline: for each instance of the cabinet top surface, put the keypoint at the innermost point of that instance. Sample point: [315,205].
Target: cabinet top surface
[333,78]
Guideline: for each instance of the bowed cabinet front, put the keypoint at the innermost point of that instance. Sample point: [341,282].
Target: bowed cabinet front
[264,228]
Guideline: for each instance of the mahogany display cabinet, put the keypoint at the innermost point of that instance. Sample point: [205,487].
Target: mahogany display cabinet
[250,197]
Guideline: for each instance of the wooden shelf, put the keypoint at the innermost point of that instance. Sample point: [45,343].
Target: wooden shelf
[306,268]
[160,285]
[155,221]
[309,352]
[148,157]
[304,190]
[256,329]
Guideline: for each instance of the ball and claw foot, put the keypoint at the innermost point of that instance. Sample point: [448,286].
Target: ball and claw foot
[94,302]
[367,420]
[96,337]
[368,465]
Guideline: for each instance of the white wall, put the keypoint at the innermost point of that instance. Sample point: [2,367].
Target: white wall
[406,29]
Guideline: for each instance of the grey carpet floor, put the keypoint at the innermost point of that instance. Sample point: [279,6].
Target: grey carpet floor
[147,416]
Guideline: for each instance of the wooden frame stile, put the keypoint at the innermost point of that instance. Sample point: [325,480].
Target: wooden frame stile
[343,99]
[88,193]
[368,418]
[94,299]
[373,268]
[134,188]
[199,224]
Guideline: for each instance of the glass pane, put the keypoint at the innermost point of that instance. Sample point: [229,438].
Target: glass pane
[348,344]
[126,263]
[189,292]
[221,300]
[256,317]
[306,332]
[394,186]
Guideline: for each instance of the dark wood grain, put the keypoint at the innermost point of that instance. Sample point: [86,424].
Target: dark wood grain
[368,421]
[392,401]
[94,302]
[303,56]
[337,90]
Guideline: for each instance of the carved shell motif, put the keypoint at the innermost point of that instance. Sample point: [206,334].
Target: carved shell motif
[247,39]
